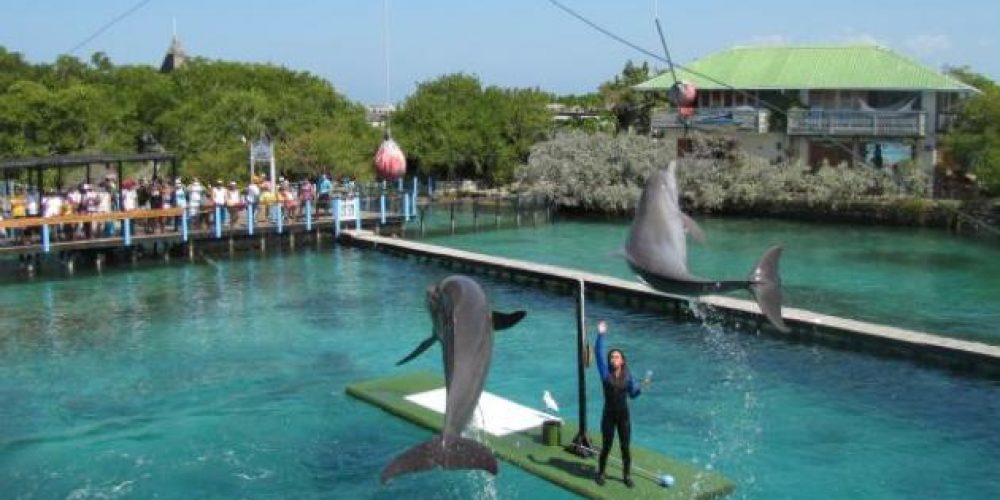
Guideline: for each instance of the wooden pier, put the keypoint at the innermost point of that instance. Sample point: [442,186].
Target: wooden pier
[806,326]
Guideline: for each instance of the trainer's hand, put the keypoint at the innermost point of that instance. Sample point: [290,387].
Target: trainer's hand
[602,327]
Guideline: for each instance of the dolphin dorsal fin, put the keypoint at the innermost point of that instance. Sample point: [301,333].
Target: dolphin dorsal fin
[503,321]
[426,344]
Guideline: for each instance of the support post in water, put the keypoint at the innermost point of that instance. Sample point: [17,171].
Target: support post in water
[126,232]
[281,219]
[250,219]
[336,217]
[309,216]
[46,244]
[184,224]
[218,222]
[357,213]
[581,443]
[381,207]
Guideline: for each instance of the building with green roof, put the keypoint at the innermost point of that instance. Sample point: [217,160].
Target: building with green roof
[819,103]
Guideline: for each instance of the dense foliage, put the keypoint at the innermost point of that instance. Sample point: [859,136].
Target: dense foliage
[200,112]
[605,173]
[975,140]
[454,127]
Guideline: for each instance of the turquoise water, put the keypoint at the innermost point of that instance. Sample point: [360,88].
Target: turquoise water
[201,381]
[920,279]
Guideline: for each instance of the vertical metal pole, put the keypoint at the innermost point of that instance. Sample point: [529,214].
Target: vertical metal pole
[309,216]
[381,203]
[452,206]
[46,245]
[430,186]
[127,231]
[281,218]
[416,187]
[406,206]
[357,213]
[184,224]
[218,222]
[250,219]
[581,443]
[399,184]
[336,217]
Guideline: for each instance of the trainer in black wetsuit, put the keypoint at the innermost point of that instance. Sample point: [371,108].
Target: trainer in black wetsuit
[619,386]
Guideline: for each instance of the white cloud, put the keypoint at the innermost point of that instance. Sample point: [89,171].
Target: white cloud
[772,39]
[850,36]
[927,44]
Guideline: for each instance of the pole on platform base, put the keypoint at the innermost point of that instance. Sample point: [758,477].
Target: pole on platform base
[127,232]
[184,224]
[309,216]
[250,219]
[581,443]
[46,244]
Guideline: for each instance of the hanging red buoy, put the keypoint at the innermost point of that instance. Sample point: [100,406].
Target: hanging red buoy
[390,162]
[683,94]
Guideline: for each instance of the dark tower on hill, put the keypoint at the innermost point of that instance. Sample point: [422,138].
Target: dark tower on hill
[175,57]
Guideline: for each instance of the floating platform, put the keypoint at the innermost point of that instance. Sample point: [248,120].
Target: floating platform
[514,433]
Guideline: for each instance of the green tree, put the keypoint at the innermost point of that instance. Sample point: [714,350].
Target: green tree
[453,127]
[631,108]
[975,139]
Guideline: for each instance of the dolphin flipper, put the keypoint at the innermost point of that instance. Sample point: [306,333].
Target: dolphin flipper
[450,452]
[426,344]
[691,227]
[765,284]
[503,321]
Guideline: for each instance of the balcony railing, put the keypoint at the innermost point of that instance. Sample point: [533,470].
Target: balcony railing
[744,118]
[857,123]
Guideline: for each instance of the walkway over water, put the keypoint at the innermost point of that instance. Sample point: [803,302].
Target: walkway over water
[807,326]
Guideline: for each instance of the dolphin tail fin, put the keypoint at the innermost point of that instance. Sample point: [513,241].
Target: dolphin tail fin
[450,452]
[765,285]
[503,321]
[426,344]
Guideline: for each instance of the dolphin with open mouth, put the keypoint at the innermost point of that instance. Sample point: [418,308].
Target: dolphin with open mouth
[464,324]
[657,251]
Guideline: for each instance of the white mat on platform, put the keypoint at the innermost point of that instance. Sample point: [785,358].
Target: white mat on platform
[495,415]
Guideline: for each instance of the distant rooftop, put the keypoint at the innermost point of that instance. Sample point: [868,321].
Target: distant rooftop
[855,67]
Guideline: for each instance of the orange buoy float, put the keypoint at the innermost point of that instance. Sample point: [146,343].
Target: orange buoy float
[390,162]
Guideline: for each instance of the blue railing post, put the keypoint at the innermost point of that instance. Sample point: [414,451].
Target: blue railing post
[381,203]
[184,224]
[250,219]
[357,213]
[416,186]
[406,206]
[309,215]
[399,184]
[127,232]
[46,244]
[218,222]
[430,186]
[336,216]
[281,218]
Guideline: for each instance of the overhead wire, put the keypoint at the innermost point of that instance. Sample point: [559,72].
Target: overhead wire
[108,25]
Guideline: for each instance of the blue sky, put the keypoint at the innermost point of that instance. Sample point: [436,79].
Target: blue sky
[523,43]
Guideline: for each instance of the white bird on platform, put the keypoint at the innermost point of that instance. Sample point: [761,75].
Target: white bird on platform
[549,401]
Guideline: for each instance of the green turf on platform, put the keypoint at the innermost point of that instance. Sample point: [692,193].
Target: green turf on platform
[525,449]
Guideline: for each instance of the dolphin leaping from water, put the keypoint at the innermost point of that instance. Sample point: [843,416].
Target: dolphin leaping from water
[657,250]
[464,324]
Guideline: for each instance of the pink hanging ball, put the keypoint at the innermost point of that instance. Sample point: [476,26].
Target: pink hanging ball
[390,162]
